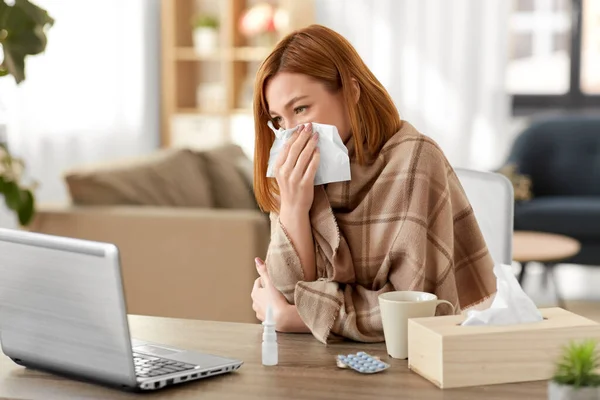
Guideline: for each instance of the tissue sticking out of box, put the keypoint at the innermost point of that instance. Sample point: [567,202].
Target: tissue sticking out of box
[510,305]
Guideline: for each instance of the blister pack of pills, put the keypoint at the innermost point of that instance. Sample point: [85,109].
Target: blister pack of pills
[362,362]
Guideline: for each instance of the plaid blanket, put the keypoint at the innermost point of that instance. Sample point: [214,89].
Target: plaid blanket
[402,223]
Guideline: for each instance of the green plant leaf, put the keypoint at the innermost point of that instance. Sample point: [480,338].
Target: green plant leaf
[578,365]
[12,195]
[27,207]
[205,21]
[22,33]
[23,25]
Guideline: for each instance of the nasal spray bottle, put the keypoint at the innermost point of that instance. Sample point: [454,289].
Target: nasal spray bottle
[269,343]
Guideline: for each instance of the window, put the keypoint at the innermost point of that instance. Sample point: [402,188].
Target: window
[554,55]
[590,48]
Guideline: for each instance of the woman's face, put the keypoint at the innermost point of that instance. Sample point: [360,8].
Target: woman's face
[295,99]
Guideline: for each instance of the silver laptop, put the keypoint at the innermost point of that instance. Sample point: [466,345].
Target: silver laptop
[62,310]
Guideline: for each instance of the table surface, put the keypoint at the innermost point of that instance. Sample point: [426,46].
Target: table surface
[306,370]
[543,247]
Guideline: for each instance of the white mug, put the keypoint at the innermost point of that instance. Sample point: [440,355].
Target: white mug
[396,308]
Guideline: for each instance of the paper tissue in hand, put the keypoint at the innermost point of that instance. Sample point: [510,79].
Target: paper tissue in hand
[510,306]
[334,164]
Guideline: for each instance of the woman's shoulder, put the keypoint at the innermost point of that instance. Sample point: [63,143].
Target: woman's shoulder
[409,145]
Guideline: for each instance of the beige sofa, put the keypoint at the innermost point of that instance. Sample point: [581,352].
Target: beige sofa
[184,262]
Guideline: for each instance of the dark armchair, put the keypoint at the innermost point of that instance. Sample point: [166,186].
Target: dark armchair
[562,157]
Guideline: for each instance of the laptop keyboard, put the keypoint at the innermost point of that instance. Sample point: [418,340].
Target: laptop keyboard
[148,366]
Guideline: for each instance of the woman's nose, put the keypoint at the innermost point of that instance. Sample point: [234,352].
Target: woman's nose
[291,123]
[297,122]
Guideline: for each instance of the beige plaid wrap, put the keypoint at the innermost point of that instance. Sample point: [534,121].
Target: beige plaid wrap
[402,223]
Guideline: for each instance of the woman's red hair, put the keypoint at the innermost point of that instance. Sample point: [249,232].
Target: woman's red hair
[329,58]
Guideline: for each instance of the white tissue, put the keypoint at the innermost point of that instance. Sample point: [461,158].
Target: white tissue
[510,306]
[334,163]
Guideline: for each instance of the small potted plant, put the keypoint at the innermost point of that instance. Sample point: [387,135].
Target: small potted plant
[23,27]
[206,34]
[576,376]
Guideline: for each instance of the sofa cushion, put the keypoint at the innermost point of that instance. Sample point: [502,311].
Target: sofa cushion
[175,177]
[245,166]
[228,183]
[578,217]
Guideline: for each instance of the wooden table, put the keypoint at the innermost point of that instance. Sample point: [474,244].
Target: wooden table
[306,370]
[543,247]
[546,248]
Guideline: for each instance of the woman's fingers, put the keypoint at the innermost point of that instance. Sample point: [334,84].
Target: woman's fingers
[283,154]
[255,292]
[262,271]
[290,175]
[296,148]
[257,299]
[311,171]
[260,314]
[257,285]
[305,158]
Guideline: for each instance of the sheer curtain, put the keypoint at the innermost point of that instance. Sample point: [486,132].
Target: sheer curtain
[443,63]
[92,96]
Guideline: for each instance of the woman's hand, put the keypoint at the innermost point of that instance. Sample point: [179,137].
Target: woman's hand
[264,293]
[295,170]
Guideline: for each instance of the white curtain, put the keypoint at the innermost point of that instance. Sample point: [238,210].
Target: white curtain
[443,63]
[92,96]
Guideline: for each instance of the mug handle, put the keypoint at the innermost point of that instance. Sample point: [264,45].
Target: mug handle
[445,302]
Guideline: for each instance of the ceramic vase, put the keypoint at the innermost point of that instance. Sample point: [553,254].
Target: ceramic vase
[206,40]
[557,391]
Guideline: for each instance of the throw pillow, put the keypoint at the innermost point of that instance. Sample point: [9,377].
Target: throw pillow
[228,186]
[174,177]
[245,167]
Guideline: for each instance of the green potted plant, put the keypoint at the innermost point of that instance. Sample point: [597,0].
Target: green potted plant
[576,376]
[206,34]
[22,33]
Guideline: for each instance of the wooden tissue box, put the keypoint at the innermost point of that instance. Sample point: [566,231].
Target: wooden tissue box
[451,355]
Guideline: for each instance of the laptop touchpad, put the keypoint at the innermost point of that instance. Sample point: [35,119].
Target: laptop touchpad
[155,350]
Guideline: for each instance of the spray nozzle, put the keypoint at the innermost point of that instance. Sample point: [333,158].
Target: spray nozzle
[269,318]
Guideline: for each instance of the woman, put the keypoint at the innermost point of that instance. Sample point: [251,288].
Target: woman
[402,222]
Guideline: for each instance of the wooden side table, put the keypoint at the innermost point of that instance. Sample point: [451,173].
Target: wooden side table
[546,248]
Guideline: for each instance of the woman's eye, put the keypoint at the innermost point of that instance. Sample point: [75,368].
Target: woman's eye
[277,121]
[300,109]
